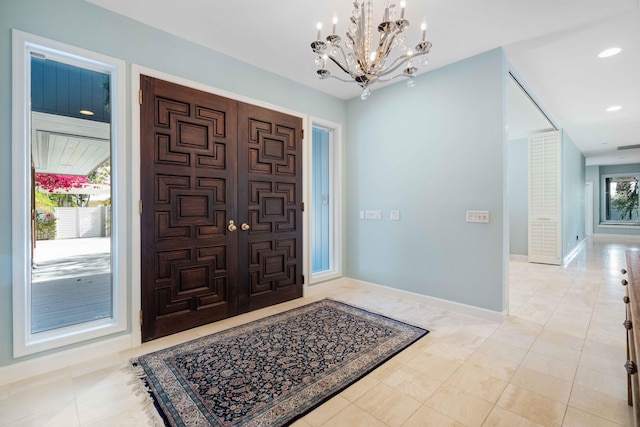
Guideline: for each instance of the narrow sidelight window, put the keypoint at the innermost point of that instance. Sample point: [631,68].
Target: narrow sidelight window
[69,195]
[325,203]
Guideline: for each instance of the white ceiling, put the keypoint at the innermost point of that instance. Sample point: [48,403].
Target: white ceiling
[552,44]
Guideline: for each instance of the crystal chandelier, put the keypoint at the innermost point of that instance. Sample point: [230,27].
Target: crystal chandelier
[360,59]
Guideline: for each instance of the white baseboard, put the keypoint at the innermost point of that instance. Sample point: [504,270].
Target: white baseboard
[319,288]
[456,307]
[41,365]
[521,258]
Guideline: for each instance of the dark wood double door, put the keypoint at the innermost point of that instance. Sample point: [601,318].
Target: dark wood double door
[221,226]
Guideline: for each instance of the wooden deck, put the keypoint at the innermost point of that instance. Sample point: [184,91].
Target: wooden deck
[70,287]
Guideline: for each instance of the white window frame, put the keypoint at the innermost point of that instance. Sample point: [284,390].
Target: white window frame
[335,201]
[25,342]
[603,199]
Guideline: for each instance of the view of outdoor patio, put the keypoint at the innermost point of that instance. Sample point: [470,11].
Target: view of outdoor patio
[71,275]
[71,269]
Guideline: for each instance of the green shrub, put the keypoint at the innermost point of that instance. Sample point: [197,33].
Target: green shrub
[45,226]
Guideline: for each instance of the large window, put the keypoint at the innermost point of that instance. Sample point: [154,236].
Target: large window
[69,213]
[620,199]
[325,202]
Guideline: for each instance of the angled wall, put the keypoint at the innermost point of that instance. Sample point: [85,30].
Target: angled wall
[432,152]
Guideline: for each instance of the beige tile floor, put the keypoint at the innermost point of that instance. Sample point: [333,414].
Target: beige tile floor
[557,360]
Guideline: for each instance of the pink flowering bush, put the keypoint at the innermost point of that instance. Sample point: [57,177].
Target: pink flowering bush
[51,182]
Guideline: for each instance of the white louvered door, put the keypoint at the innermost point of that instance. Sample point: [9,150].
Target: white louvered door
[545,198]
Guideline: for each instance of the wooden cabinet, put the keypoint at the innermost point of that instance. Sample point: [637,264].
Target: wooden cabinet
[632,325]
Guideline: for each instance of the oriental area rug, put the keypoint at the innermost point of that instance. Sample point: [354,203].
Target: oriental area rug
[271,371]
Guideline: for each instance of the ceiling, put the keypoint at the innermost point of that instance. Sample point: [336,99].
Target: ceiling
[552,45]
[524,116]
[68,146]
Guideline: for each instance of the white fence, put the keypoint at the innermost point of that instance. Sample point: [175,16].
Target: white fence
[73,223]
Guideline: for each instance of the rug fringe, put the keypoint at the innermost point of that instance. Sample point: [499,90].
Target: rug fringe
[140,386]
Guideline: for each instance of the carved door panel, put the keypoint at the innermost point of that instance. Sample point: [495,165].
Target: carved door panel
[270,203]
[205,161]
[188,170]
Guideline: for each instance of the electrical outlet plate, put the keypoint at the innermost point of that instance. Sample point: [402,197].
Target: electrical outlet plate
[372,214]
[478,216]
[394,215]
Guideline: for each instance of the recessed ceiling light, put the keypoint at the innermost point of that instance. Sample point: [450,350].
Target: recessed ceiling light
[86,112]
[614,108]
[609,52]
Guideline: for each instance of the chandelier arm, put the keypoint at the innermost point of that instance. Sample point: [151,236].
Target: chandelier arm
[342,80]
[392,78]
[350,70]
[380,56]
[342,67]
[358,59]
[390,70]
[399,62]
[384,48]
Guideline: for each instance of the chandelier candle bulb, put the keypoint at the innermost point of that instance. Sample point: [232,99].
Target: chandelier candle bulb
[319,27]
[335,22]
[423,27]
[403,4]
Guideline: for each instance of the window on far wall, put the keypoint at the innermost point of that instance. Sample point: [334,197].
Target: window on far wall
[620,199]
[325,252]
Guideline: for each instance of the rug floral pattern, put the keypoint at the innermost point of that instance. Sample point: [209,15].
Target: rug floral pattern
[274,370]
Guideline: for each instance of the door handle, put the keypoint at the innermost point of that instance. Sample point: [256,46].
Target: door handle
[245,226]
[232,226]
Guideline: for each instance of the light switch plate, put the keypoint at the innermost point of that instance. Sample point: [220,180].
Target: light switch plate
[394,215]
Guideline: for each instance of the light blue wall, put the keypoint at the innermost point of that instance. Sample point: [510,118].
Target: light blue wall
[432,152]
[573,184]
[82,24]
[518,190]
[594,174]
